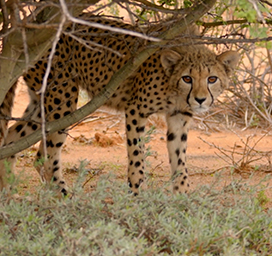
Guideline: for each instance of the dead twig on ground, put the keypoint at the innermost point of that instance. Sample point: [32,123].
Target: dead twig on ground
[241,158]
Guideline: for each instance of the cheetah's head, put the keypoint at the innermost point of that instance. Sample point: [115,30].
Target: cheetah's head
[199,76]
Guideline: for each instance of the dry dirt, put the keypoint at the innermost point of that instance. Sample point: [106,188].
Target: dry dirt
[100,140]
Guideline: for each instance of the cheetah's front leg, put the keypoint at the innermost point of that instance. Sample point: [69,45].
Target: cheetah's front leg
[135,127]
[178,125]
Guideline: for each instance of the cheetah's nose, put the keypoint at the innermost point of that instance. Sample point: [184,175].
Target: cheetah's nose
[200,101]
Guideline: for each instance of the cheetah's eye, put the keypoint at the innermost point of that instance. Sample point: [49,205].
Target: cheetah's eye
[187,79]
[212,79]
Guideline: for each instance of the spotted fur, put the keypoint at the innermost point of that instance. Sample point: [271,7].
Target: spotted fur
[178,81]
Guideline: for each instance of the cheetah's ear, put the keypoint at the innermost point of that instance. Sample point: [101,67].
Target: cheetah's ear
[229,59]
[169,59]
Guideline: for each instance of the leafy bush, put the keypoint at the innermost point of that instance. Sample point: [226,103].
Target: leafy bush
[109,221]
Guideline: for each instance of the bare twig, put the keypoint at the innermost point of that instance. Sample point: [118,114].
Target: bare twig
[25,48]
[105,27]
[248,154]
[44,84]
[89,44]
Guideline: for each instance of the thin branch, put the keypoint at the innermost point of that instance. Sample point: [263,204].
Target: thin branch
[230,22]
[105,27]
[153,7]
[221,40]
[8,118]
[44,84]
[25,48]
[89,43]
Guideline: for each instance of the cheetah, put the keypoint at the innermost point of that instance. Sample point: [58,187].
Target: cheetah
[178,81]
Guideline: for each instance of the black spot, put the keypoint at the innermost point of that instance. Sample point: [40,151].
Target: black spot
[140,129]
[34,127]
[128,127]
[55,162]
[134,121]
[50,143]
[136,152]
[177,152]
[129,142]
[59,144]
[66,113]
[74,89]
[56,116]
[179,161]
[142,115]
[57,101]
[55,169]
[184,137]
[50,108]
[137,164]
[182,183]
[171,136]
[68,103]
[135,141]
[187,114]
[132,112]
[23,134]
[64,192]
[141,172]
[19,127]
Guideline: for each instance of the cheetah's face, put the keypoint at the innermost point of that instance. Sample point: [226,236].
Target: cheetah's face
[198,77]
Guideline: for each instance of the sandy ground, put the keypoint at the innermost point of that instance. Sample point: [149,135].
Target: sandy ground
[101,142]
